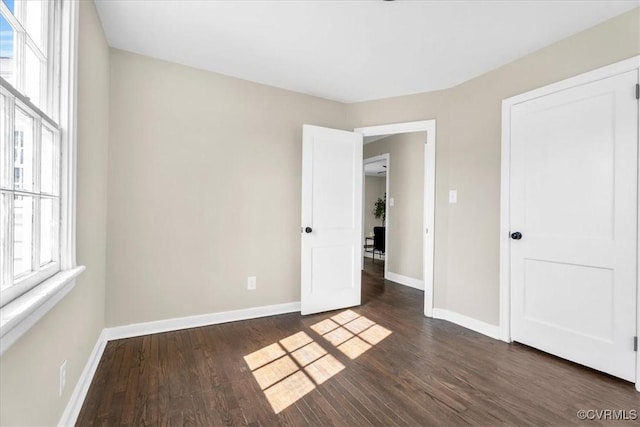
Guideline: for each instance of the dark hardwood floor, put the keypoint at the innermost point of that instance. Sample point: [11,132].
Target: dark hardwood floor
[425,372]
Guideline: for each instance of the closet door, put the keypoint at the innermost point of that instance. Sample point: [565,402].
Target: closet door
[573,207]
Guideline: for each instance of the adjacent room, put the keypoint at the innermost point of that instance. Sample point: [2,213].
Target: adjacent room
[319,212]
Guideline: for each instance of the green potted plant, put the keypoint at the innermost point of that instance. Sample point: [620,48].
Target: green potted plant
[380,208]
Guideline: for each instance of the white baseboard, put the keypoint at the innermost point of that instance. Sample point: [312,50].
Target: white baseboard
[138,329]
[479,326]
[405,280]
[71,412]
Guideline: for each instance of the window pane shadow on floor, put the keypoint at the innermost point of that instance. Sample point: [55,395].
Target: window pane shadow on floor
[294,366]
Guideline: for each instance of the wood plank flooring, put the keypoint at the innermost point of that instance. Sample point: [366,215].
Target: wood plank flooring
[426,372]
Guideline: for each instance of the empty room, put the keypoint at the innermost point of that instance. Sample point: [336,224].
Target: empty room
[307,212]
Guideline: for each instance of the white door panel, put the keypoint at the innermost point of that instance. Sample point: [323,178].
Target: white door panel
[544,278]
[574,199]
[331,208]
[333,184]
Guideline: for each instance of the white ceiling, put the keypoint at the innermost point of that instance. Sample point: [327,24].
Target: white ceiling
[348,51]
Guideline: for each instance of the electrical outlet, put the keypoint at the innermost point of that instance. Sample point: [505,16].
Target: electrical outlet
[251,283]
[63,377]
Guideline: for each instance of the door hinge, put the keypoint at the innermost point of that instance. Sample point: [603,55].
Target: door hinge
[635,343]
[637,90]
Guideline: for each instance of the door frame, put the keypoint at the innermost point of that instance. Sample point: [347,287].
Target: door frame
[387,158]
[505,242]
[428,239]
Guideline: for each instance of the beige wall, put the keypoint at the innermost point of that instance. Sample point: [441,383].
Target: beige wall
[374,188]
[205,179]
[204,190]
[406,187]
[29,369]
[468,154]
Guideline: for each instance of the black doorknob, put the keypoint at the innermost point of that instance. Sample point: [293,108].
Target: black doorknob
[308,229]
[516,236]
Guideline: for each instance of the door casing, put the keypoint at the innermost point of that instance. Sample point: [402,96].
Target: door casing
[505,253]
[387,158]
[428,238]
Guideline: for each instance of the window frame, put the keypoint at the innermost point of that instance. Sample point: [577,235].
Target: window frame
[24,282]
[48,50]
[43,292]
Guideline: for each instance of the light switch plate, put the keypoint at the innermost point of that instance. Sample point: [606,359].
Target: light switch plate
[391,201]
[453,196]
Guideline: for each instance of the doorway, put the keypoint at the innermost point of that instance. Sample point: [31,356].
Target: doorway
[375,214]
[427,128]
[331,226]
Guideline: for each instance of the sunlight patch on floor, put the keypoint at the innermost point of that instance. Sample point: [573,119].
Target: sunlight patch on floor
[295,341]
[375,334]
[292,367]
[354,347]
[358,325]
[288,391]
[275,371]
[323,369]
[338,336]
[345,317]
[356,334]
[264,356]
[327,325]
[308,353]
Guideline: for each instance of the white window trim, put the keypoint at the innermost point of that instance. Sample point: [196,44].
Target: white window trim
[31,279]
[18,316]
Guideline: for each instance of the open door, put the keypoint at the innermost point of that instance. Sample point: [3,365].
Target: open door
[331,219]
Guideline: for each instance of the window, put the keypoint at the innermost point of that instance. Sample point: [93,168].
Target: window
[30,199]
[36,145]
[27,60]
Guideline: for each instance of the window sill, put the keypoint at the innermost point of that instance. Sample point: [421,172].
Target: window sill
[18,316]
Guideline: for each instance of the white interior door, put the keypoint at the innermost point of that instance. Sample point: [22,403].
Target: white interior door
[574,165]
[331,219]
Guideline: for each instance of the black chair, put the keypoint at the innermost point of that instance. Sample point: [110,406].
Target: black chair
[378,242]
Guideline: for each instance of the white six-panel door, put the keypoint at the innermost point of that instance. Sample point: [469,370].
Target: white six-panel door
[331,219]
[573,198]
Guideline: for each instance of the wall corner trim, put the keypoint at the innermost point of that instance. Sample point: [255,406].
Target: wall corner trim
[71,412]
[492,331]
[405,280]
